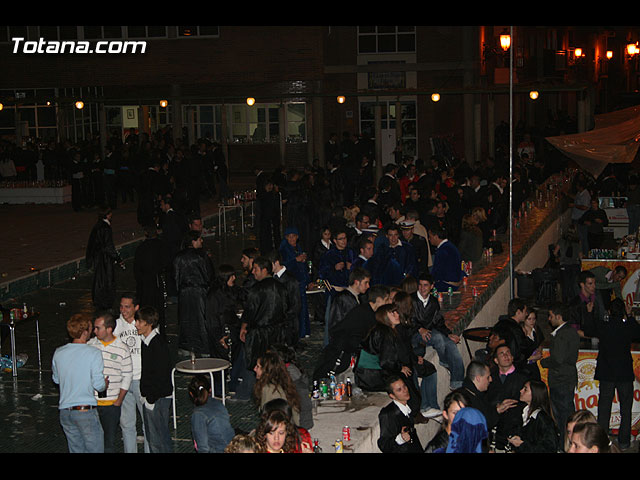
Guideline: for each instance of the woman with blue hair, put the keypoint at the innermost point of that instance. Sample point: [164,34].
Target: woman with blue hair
[468,432]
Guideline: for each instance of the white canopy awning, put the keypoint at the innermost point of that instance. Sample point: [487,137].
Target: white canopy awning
[613,140]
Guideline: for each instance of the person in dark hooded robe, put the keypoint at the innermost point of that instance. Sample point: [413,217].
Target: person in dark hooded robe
[102,257]
[193,274]
[150,265]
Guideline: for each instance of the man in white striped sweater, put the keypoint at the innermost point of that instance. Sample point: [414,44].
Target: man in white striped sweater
[127,332]
[118,370]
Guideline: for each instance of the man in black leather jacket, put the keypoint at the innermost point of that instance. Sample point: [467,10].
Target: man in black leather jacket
[397,430]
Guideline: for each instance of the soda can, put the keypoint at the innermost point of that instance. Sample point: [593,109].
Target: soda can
[475,291]
[338,392]
[346,434]
[323,389]
[439,296]
[450,291]
[464,281]
[339,446]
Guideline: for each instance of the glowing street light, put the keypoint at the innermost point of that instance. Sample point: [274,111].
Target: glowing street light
[505,41]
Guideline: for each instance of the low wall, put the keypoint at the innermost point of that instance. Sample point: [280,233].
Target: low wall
[493,281]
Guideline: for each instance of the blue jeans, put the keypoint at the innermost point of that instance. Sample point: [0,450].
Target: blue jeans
[83,430]
[242,379]
[109,419]
[448,354]
[132,402]
[156,426]
[429,392]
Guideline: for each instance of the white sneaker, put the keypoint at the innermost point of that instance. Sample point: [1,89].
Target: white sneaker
[431,413]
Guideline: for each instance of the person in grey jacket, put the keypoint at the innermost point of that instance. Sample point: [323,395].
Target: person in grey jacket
[561,363]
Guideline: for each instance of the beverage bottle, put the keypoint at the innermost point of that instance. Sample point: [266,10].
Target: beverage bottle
[348,388]
[316,446]
[332,386]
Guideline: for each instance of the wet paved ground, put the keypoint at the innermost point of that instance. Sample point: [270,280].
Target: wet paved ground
[44,236]
[29,402]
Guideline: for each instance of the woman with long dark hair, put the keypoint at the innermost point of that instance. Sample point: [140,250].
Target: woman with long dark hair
[276,433]
[533,338]
[538,432]
[383,354]
[224,300]
[274,381]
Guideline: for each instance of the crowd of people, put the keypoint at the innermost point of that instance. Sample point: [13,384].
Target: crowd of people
[379,252]
[132,168]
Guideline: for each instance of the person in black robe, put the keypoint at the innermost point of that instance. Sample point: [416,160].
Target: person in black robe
[269,221]
[174,226]
[149,190]
[264,319]
[150,265]
[221,170]
[224,300]
[288,278]
[102,257]
[111,164]
[263,324]
[96,181]
[193,276]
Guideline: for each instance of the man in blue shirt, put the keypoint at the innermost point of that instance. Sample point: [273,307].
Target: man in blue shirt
[447,262]
[78,369]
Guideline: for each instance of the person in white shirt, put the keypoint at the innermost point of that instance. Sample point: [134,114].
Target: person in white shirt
[126,331]
[117,369]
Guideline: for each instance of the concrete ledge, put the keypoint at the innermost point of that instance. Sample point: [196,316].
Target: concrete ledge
[361,414]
